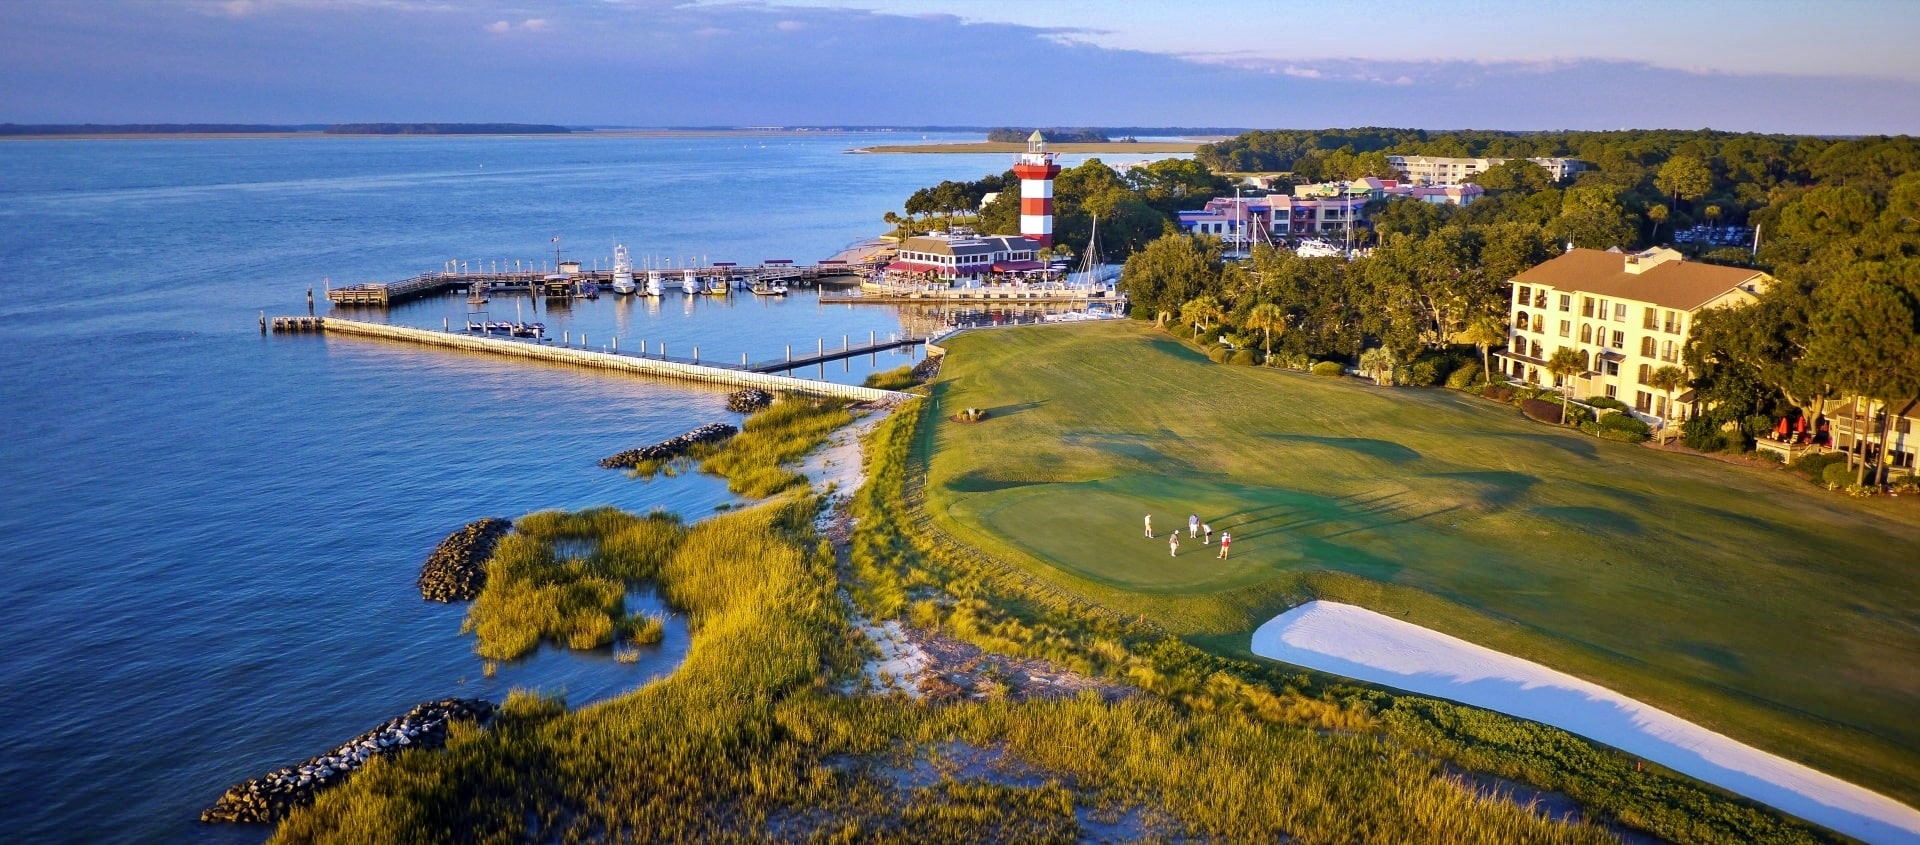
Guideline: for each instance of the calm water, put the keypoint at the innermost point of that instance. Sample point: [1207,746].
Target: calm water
[209,538]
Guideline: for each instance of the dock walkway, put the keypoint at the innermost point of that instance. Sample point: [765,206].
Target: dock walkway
[625,362]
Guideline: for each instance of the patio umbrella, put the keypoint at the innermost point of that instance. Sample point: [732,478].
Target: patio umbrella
[1800,426]
[1781,430]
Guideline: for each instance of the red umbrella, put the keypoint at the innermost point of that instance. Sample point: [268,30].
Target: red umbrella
[1781,431]
[1800,426]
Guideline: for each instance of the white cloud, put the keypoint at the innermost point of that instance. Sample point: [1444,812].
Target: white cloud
[500,27]
[528,25]
[790,26]
[1302,72]
[534,25]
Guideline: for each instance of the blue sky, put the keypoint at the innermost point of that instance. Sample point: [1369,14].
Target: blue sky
[1836,66]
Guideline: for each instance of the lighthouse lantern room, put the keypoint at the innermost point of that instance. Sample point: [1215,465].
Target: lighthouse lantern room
[1036,169]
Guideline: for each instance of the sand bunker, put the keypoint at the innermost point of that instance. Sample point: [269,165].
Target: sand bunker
[1358,643]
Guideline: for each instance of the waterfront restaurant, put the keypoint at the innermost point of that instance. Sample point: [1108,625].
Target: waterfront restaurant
[962,255]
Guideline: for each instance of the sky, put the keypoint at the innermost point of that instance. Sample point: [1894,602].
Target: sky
[1828,67]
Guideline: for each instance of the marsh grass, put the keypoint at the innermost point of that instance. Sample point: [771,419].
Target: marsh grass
[898,378]
[756,461]
[536,594]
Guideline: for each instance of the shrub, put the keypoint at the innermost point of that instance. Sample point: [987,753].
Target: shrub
[1757,424]
[1243,358]
[1577,415]
[1606,402]
[1542,410]
[1465,377]
[1733,442]
[1813,465]
[1291,361]
[1905,485]
[1625,423]
[1219,354]
[1422,374]
[1837,475]
[1498,392]
[1702,434]
[1330,369]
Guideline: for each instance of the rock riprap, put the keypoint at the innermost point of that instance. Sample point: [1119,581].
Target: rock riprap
[269,797]
[927,368]
[457,569]
[667,450]
[749,400]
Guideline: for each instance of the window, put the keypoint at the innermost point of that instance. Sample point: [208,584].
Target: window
[1660,406]
[1519,370]
[1642,401]
[1603,309]
[1646,370]
[1566,328]
[1566,302]
[1619,339]
[1536,350]
[1586,333]
[1586,306]
[1652,320]
[1539,322]
[1646,347]
[1520,321]
[1620,312]
[1540,299]
[1669,352]
[1611,391]
[1672,324]
[1586,363]
[1613,369]
[1526,295]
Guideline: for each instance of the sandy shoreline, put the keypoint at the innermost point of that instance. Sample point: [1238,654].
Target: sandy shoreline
[1357,643]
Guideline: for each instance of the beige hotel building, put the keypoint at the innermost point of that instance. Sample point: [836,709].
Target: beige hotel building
[1627,314]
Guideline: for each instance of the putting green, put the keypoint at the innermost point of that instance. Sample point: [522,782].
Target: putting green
[1741,598]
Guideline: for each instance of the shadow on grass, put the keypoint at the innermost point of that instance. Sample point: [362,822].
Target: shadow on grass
[1495,488]
[980,482]
[1010,410]
[1385,450]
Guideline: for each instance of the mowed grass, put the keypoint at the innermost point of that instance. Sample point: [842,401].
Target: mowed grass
[1738,598]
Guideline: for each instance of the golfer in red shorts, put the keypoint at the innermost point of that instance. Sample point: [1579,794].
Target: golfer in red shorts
[1226,539]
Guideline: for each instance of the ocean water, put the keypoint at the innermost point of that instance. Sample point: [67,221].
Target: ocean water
[209,537]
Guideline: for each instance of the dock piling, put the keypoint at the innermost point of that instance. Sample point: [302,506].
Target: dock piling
[696,354]
[263,322]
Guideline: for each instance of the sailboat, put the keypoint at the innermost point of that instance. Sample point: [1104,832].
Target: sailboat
[1091,273]
[622,271]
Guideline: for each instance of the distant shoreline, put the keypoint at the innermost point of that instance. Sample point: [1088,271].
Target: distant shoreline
[977,147]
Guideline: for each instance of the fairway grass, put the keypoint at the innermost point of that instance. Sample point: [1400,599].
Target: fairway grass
[1737,598]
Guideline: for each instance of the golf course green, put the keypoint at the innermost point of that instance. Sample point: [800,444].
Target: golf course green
[1740,598]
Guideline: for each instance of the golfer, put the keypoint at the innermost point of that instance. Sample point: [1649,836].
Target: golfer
[1193,525]
[1173,544]
[1149,526]
[1206,534]
[1226,539]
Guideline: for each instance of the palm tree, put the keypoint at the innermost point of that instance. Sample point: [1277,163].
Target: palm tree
[1658,214]
[1668,378]
[1200,312]
[1484,331]
[1376,362]
[1267,317]
[1565,364]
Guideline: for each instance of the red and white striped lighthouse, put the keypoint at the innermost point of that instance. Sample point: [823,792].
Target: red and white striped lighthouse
[1036,170]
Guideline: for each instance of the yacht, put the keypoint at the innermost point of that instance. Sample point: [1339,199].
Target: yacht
[622,271]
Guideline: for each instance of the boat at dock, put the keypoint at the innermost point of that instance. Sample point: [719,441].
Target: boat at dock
[511,329]
[622,271]
[764,287]
[654,287]
[689,282]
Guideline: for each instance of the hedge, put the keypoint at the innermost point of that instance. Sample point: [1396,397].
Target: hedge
[1330,369]
[1542,410]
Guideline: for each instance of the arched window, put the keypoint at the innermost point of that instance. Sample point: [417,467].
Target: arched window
[1539,322]
[1520,321]
[1586,334]
[1647,347]
[1646,371]
[1586,363]
[1537,353]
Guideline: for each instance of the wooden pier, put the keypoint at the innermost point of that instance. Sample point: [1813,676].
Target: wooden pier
[731,376]
[822,355]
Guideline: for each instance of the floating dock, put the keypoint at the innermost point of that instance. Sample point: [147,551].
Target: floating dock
[749,376]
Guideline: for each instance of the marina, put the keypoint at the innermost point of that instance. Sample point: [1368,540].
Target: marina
[716,279]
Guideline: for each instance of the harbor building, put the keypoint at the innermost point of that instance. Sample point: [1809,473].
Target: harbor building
[1244,220]
[963,255]
[1036,169]
[1626,313]
[1440,170]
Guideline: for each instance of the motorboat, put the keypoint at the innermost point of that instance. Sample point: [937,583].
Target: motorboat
[623,271]
[689,283]
[762,287]
[653,283]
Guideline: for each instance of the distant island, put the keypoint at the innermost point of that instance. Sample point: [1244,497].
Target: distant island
[1006,135]
[87,129]
[446,129]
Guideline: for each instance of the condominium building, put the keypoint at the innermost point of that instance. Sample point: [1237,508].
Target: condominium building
[1245,220]
[1439,170]
[1627,314]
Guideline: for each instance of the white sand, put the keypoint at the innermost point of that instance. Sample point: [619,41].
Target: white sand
[901,661]
[1358,643]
